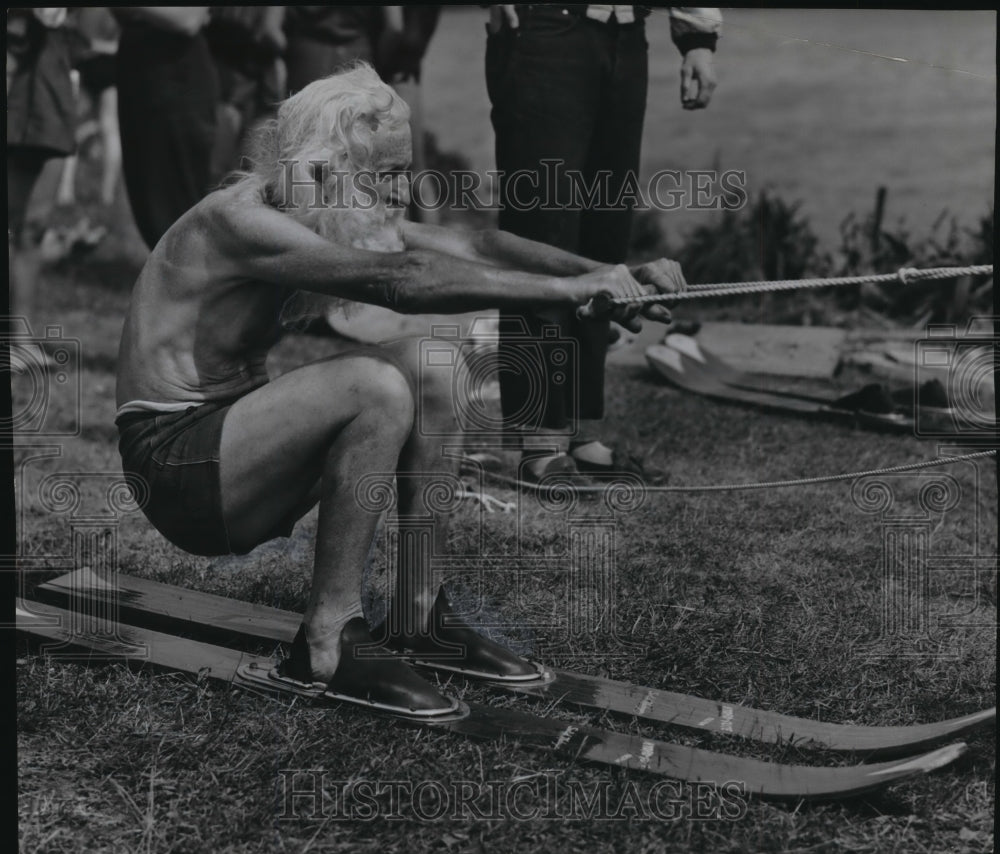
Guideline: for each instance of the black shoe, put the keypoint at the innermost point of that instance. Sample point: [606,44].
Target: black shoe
[622,466]
[451,646]
[368,675]
[561,470]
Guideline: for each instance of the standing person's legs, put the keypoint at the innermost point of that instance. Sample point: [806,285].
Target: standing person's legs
[308,59]
[105,106]
[167,94]
[229,121]
[111,144]
[425,209]
[66,192]
[24,165]
[606,230]
[617,144]
[544,81]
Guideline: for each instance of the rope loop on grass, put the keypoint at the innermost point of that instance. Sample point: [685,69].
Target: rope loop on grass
[829,478]
[541,488]
[905,275]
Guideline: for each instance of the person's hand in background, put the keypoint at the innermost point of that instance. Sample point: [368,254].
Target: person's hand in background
[501,15]
[697,78]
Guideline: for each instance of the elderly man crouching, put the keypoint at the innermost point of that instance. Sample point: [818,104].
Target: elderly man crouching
[233,459]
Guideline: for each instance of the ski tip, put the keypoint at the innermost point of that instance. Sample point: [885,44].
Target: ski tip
[925,763]
[984,717]
[25,619]
[684,344]
[664,359]
[945,755]
[972,721]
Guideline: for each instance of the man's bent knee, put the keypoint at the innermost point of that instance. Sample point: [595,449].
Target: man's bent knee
[384,390]
[434,363]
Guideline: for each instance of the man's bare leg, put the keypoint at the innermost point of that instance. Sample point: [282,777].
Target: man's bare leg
[316,430]
[421,464]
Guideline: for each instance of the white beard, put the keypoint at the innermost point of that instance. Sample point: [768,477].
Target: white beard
[376,228]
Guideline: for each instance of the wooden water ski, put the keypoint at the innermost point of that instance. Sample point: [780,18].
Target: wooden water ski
[684,363]
[224,620]
[143,647]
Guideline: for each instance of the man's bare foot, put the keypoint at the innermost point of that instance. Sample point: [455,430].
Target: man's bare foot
[324,651]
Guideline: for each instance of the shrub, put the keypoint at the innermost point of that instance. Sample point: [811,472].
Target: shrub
[771,239]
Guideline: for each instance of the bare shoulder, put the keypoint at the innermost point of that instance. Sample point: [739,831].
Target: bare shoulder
[246,225]
[251,239]
[233,210]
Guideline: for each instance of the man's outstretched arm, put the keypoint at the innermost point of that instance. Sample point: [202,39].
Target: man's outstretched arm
[498,249]
[263,244]
[508,251]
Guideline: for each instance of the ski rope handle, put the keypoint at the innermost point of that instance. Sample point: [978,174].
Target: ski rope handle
[602,304]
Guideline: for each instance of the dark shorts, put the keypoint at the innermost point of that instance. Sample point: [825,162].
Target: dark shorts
[176,454]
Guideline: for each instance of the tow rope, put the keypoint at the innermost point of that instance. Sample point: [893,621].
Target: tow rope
[904,275]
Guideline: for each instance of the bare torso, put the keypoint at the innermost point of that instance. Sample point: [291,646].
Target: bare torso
[205,309]
[195,329]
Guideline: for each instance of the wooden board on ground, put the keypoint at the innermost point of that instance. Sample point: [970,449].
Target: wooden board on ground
[965,364]
[788,351]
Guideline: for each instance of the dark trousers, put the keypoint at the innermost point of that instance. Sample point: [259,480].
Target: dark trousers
[167,98]
[573,90]
[24,165]
[310,59]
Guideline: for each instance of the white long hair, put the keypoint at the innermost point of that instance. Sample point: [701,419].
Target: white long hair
[333,119]
[341,113]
